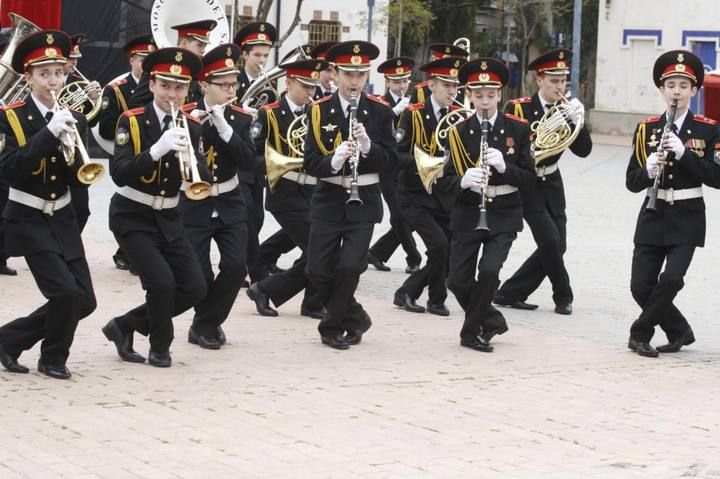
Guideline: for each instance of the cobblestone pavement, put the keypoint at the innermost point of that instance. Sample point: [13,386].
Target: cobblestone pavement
[560,397]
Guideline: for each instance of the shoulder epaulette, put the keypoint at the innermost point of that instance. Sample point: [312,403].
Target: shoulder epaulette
[190,117]
[121,81]
[240,110]
[189,106]
[377,99]
[651,119]
[321,100]
[420,85]
[416,106]
[134,111]
[271,106]
[526,99]
[13,105]
[454,107]
[704,119]
[508,115]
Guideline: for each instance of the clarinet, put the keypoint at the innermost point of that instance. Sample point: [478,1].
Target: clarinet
[355,156]
[482,163]
[650,206]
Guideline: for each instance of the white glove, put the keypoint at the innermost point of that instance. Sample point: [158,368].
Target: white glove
[362,138]
[61,122]
[342,153]
[198,115]
[246,106]
[173,139]
[496,160]
[401,106]
[674,144]
[94,89]
[217,114]
[578,106]
[651,165]
[473,177]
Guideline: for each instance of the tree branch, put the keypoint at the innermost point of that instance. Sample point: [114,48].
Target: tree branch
[293,24]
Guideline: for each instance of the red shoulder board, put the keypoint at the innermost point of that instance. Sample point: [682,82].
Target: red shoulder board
[119,82]
[651,119]
[377,99]
[188,107]
[134,111]
[321,100]
[704,119]
[454,107]
[516,118]
[271,106]
[13,105]
[240,110]
[416,106]
[420,85]
[190,117]
[526,99]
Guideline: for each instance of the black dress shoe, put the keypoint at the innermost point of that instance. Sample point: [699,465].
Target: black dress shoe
[121,262]
[335,341]
[205,342]
[5,270]
[438,309]
[353,337]
[220,336]
[11,363]
[503,301]
[275,269]
[686,339]
[407,303]
[377,264]
[644,349]
[262,302]
[160,360]
[312,313]
[57,372]
[244,284]
[488,334]
[563,308]
[477,343]
[123,342]
[412,268]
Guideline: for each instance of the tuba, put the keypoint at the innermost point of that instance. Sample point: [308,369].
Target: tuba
[261,89]
[165,13]
[554,132]
[13,86]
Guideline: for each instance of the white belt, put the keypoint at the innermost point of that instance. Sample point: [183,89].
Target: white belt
[671,195]
[302,178]
[217,189]
[46,206]
[498,190]
[543,171]
[155,202]
[344,181]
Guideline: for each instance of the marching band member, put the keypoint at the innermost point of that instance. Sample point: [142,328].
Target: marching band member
[4,268]
[427,214]
[544,205]
[256,41]
[397,73]
[70,67]
[39,224]
[680,155]
[144,213]
[421,92]
[490,157]
[340,231]
[289,201]
[328,77]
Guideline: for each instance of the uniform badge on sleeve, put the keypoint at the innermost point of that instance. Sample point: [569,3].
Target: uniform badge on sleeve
[2,142]
[122,136]
[716,157]
[256,130]
[105,103]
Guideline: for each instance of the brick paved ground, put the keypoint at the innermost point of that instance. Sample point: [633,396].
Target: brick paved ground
[560,397]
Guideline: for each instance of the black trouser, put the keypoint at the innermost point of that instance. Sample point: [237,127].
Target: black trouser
[281,287]
[475,294]
[253,197]
[654,292]
[274,246]
[400,232]
[433,226]
[69,291]
[231,241]
[337,256]
[171,276]
[3,200]
[549,232]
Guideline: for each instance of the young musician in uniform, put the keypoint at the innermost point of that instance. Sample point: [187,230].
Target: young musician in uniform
[341,230]
[328,77]
[421,91]
[40,224]
[144,213]
[679,156]
[499,174]
[397,73]
[427,213]
[544,205]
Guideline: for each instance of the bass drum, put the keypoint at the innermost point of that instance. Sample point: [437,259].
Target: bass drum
[166,13]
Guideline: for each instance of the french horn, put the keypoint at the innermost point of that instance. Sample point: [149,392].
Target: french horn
[556,130]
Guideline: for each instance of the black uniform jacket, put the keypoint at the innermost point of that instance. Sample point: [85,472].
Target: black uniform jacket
[31,161]
[682,221]
[133,166]
[114,103]
[511,136]
[548,190]
[327,128]
[142,94]
[272,125]
[224,160]
[266,92]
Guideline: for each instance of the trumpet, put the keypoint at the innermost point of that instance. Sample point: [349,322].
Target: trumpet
[89,172]
[197,188]
[652,199]
[355,155]
[483,163]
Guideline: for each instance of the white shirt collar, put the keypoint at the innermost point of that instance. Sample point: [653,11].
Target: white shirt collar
[291,104]
[42,108]
[396,98]
[160,113]
[544,102]
[491,119]
[436,107]
[344,104]
[679,120]
[137,79]
[250,77]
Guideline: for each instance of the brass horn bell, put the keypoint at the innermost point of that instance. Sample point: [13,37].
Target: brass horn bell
[429,167]
[277,164]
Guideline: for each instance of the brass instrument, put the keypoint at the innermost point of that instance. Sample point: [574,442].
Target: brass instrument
[277,164]
[652,199]
[445,123]
[13,86]
[483,164]
[197,188]
[262,86]
[553,132]
[464,43]
[164,14]
[222,105]
[429,167]
[76,96]
[89,172]
[355,155]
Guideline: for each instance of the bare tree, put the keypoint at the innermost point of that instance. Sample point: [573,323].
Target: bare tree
[263,10]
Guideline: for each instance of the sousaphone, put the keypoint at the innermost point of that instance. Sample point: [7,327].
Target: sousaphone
[166,13]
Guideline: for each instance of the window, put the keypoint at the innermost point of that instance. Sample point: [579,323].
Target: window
[320,31]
